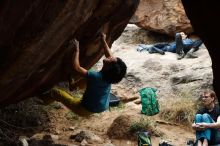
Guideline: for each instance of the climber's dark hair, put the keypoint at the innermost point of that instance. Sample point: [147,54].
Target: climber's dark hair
[115,71]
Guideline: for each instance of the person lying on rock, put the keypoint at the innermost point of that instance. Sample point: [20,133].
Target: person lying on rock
[96,96]
[182,46]
[207,120]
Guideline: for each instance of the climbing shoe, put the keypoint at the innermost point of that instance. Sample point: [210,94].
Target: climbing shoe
[191,55]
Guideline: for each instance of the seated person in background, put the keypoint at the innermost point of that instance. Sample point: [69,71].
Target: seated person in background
[207,120]
[181,46]
[96,95]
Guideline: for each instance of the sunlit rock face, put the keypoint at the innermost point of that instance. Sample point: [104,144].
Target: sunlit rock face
[162,16]
[204,17]
[34,38]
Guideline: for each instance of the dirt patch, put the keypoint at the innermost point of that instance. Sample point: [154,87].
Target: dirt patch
[28,116]
[120,127]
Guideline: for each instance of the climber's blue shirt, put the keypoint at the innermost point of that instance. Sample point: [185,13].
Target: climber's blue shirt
[172,47]
[96,96]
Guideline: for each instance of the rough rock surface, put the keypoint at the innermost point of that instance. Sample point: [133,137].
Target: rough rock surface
[163,16]
[171,77]
[34,37]
[206,25]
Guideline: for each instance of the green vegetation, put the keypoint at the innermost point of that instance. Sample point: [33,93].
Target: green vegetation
[144,124]
[54,105]
[72,116]
[120,107]
[77,93]
[182,110]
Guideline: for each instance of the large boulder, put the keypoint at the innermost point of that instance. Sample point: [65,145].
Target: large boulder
[34,37]
[204,17]
[162,16]
[172,78]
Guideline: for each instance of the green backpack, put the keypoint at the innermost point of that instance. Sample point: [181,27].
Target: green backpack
[144,139]
[150,105]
